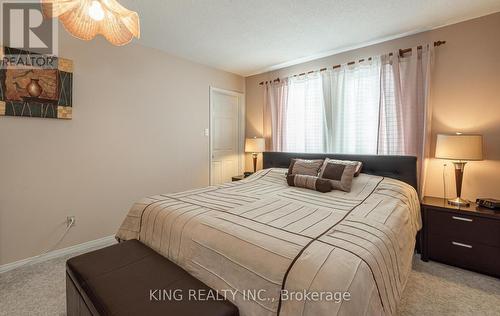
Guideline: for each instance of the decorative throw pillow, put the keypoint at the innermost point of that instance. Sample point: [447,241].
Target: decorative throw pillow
[359,166]
[305,167]
[309,182]
[339,172]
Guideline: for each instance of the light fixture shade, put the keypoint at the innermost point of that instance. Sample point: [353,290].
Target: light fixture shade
[255,145]
[459,147]
[116,23]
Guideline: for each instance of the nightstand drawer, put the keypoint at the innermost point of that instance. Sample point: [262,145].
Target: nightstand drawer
[465,254]
[472,228]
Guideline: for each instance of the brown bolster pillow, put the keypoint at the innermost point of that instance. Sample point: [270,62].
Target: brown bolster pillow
[309,182]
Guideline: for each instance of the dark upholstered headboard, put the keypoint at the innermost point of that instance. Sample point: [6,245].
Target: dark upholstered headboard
[403,168]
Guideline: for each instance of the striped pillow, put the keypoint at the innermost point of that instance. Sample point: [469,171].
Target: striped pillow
[339,172]
[305,167]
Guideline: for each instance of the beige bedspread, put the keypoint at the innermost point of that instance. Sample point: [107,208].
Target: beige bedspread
[263,237]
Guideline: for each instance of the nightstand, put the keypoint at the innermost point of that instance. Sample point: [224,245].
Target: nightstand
[466,237]
[238,178]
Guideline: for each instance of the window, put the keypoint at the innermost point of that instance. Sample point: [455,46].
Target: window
[376,107]
[391,117]
[334,111]
[305,128]
[355,109]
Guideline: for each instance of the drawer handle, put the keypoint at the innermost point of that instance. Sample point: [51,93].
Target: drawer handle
[460,244]
[462,219]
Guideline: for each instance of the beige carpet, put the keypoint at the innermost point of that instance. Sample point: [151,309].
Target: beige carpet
[433,289]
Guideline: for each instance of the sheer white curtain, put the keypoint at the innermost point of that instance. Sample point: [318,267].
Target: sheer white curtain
[405,110]
[351,107]
[275,114]
[305,130]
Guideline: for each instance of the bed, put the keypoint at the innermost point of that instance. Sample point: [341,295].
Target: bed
[279,250]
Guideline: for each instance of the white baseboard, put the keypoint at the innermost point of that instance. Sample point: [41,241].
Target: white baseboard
[83,247]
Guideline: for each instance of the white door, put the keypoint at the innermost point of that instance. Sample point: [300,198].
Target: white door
[226,135]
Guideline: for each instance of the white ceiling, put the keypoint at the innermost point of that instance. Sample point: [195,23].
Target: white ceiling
[252,36]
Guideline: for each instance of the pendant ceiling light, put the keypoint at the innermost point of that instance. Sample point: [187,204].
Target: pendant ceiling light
[86,18]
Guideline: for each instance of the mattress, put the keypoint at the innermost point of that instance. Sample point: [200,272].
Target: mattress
[278,250]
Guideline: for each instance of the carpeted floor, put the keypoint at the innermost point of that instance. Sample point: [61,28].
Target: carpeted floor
[433,289]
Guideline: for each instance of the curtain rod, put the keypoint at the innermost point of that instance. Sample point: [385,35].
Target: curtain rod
[401,53]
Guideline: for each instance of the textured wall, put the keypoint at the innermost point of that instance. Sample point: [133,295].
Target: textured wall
[465,96]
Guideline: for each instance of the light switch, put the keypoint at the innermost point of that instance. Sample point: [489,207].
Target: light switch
[207,132]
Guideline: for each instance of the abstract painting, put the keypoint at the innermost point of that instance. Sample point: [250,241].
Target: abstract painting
[33,85]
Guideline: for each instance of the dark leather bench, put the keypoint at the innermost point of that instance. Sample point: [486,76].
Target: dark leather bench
[129,278]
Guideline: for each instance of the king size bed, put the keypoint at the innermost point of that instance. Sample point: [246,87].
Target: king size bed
[272,246]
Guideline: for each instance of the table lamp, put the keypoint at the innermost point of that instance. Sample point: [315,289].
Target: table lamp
[255,146]
[461,148]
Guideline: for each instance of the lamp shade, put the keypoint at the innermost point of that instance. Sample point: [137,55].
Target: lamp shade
[459,147]
[85,19]
[255,145]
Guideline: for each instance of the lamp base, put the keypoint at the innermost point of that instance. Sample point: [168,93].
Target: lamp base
[254,156]
[459,202]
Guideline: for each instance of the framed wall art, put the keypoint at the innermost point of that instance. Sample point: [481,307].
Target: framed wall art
[34,85]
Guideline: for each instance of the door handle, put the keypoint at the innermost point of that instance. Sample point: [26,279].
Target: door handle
[462,219]
[460,244]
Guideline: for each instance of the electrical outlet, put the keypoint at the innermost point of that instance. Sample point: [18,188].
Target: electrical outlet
[70,221]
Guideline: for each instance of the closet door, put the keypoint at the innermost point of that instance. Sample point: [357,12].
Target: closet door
[226,136]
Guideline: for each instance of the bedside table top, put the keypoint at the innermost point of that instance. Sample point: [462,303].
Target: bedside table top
[239,177]
[473,209]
